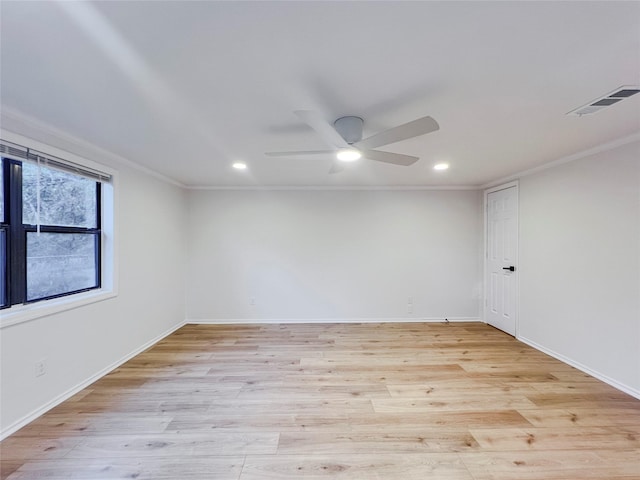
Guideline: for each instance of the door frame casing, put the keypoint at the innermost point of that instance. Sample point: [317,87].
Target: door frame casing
[485,250]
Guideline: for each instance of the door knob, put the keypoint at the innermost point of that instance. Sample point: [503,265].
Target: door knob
[510,268]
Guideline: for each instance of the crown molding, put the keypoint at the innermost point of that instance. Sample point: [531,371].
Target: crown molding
[402,188]
[569,158]
[14,121]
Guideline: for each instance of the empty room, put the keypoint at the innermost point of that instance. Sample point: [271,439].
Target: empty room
[320,240]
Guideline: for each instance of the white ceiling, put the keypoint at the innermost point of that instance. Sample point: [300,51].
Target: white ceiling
[187,88]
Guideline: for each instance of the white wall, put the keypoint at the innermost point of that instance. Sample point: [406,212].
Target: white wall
[338,255]
[80,343]
[580,263]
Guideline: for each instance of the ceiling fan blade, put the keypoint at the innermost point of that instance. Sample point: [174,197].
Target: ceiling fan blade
[322,128]
[408,130]
[299,154]
[388,157]
[336,167]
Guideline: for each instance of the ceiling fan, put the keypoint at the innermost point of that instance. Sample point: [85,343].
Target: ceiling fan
[345,138]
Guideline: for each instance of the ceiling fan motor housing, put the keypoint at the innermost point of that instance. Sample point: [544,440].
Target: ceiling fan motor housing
[350,128]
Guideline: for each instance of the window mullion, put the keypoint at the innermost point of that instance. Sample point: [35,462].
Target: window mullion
[17,247]
[60,229]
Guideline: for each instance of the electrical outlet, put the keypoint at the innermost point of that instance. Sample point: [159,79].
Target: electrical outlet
[41,368]
[252,301]
[410,300]
[409,308]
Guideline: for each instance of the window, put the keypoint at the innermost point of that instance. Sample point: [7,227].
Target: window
[50,235]
[3,243]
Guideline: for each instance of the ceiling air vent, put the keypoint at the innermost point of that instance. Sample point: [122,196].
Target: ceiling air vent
[605,101]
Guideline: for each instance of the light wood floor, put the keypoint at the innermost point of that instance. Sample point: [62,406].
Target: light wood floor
[376,401]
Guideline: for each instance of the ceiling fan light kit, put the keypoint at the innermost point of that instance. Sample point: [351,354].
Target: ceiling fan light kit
[348,155]
[345,136]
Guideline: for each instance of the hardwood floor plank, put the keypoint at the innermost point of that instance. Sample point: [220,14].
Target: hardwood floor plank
[60,425]
[355,467]
[24,448]
[284,406]
[155,468]
[566,438]
[294,391]
[260,423]
[384,422]
[594,400]
[586,417]
[451,403]
[176,444]
[466,386]
[547,465]
[418,440]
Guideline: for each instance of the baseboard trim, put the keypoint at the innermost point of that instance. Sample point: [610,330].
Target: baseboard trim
[14,427]
[600,376]
[266,321]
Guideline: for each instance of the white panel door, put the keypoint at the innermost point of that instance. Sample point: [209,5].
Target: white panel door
[502,253]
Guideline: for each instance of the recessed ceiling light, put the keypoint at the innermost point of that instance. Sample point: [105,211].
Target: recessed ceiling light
[441,166]
[348,155]
[240,166]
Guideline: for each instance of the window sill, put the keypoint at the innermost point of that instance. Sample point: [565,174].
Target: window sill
[26,313]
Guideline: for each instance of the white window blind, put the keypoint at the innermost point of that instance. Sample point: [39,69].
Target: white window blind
[25,154]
